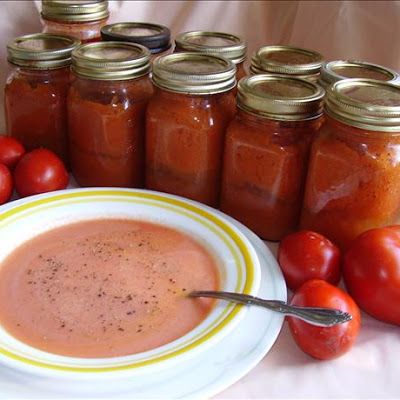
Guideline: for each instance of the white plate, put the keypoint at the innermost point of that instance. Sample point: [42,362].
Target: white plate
[206,375]
[237,262]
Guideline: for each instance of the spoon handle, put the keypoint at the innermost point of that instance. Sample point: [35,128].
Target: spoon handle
[313,315]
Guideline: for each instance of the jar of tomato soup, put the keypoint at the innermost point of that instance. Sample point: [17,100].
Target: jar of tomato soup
[35,94]
[287,60]
[78,18]
[353,181]
[185,124]
[266,152]
[334,71]
[157,38]
[220,44]
[106,113]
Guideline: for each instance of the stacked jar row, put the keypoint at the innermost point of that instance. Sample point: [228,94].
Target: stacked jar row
[191,141]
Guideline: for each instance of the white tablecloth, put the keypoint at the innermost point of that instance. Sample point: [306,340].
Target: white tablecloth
[370,370]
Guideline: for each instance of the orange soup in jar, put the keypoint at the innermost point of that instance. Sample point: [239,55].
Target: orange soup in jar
[106,113]
[35,94]
[266,152]
[287,60]
[82,19]
[185,124]
[353,182]
[220,44]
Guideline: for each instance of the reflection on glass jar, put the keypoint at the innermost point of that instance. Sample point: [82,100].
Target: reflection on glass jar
[106,110]
[353,182]
[220,44]
[81,19]
[186,122]
[157,38]
[36,91]
[287,60]
[266,152]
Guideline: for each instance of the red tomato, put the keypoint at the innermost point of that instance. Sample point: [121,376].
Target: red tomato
[11,151]
[324,343]
[308,255]
[371,271]
[6,184]
[40,171]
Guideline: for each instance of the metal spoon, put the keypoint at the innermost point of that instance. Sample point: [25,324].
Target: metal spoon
[313,315]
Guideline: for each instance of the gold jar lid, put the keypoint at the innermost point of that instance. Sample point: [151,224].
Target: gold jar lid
[280,97]
[286,60]
[365,103]
[75,10]
[41,50]
[111,61]
[220,44]
[334,71]
[194,73]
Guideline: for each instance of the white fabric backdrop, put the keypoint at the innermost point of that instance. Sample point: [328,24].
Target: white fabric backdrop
[365,30]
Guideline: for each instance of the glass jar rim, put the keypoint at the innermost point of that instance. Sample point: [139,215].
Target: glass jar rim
[330,73]
[75,11]
[41,50]
[303,62]
[156,42]
[234,47]
[194,73]
[280,97]
[364,103]
[111,60]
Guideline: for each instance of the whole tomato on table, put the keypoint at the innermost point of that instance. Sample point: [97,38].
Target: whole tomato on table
[40,171]
[371,272]
[11,151]
[6,184]
[306,255]
[324,343]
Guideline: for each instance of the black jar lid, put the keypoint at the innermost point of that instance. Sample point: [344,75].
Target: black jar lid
[157,38]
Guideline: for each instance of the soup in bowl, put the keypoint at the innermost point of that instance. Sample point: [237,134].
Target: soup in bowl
[97,281]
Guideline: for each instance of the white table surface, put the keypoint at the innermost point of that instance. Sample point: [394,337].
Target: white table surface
[370,370]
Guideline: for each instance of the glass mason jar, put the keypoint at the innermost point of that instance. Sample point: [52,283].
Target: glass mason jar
[220,44]
[334,71]
[353,182]
[266,152]
[287,60]
[82,19]
[35,94]
[106,113]
[157,38]
[185,124]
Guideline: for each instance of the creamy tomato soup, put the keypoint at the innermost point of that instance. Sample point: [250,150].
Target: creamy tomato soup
[105,288]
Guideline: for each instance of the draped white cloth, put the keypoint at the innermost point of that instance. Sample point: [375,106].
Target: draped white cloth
[363,30]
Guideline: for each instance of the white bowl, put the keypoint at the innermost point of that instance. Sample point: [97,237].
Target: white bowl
[238,264]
